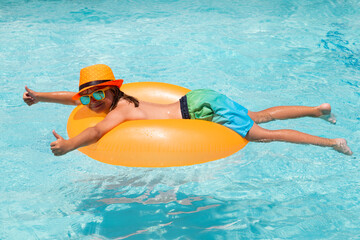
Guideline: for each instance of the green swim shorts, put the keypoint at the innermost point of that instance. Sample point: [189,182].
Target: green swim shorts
[212,106]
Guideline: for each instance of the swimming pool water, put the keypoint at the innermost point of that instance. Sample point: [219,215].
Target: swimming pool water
[260,53]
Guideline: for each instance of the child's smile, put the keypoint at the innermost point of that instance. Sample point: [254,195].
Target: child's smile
[96,104]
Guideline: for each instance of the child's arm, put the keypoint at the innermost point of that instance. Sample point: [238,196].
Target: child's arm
[90,135]
[31,97]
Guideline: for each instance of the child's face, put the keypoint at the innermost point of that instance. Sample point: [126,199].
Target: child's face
[99,106]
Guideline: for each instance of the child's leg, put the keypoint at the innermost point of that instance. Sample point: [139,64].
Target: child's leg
[259,134]
[286,112]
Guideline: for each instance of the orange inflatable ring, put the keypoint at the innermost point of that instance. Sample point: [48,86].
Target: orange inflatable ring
[156,143]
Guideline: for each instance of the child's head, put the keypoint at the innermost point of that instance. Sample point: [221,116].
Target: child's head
[99,90]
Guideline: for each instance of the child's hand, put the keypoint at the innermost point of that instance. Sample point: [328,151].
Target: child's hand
[30,97]
[60,146]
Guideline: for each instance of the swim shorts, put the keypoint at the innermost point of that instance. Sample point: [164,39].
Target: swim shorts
[212,106]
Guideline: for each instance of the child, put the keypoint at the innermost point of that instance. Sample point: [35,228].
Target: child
[100,92]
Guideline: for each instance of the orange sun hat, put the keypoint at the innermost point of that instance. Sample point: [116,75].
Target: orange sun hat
[96,75]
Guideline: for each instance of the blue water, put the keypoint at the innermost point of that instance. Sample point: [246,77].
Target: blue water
[260,53]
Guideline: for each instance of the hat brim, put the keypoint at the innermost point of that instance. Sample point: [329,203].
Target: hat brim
[117,83]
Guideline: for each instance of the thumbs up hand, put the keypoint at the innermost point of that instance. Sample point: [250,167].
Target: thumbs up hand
[60,146]
[30,97]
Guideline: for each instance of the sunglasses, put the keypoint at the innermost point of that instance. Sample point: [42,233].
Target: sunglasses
[97,95]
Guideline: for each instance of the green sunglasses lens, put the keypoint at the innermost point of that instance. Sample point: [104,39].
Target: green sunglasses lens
[85,100]
[98,95]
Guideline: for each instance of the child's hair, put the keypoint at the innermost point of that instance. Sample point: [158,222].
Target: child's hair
[118,95]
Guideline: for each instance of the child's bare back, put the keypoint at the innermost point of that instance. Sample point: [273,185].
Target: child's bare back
[158,111]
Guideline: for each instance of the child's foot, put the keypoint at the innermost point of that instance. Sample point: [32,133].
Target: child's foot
[325,113]
[341,146]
